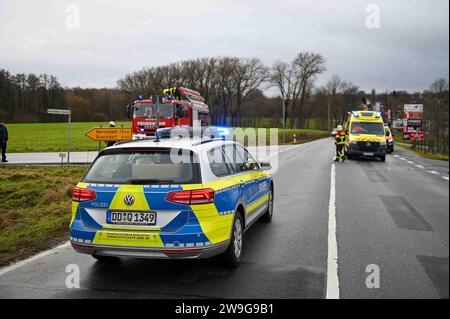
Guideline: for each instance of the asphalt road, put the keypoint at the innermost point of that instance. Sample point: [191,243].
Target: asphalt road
[50,158]
[392,216]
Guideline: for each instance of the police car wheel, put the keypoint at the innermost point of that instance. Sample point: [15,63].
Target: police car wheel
[104,258]
[267,217]
[234,252]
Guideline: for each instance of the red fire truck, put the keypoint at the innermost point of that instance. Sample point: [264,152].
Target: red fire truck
[176,107]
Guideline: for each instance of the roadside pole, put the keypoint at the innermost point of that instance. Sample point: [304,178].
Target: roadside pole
[68,138]
[155,101]
[69,113]
[329,111]
[284,120]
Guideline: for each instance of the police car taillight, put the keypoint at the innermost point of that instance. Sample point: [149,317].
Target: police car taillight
[192,197]
[83,195]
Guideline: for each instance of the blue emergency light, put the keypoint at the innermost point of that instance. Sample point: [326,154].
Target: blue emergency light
[355,114]
[140,97]
[378,115]
[223,131]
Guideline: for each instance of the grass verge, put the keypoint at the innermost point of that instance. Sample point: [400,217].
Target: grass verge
[34,208]
[441,157]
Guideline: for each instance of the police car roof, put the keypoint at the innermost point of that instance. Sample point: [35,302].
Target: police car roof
[193,144]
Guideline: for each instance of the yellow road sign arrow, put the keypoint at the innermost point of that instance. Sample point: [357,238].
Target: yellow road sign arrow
[110,133]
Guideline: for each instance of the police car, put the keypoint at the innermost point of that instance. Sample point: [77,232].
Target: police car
[170,198]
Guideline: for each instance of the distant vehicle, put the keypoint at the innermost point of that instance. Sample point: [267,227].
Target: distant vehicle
[389,140]
[136,201]
[365,135]
[180,107]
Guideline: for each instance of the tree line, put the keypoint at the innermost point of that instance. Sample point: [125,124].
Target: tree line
[234,89]
[26,98]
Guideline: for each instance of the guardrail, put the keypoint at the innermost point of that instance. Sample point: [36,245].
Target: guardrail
[431,146]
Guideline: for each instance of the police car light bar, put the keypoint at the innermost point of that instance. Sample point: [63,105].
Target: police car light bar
[378,115]
[355,113]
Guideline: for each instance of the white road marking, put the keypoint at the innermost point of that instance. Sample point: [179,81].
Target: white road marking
[420,166]
[33,258]
[403,159]
[433,172]
[397,155]
[445,177]
[332,291]
[409,162]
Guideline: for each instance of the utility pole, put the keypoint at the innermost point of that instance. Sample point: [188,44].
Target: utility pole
[68,138]
[329,111]
[284,118]
[69,114]
[155,101]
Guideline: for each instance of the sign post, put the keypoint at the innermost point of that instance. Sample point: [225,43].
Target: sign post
[69,113]
[110,134]
[412,121]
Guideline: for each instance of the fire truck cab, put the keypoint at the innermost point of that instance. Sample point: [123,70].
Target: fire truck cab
[176,107]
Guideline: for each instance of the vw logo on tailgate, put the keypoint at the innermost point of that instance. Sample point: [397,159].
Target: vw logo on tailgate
[128,200]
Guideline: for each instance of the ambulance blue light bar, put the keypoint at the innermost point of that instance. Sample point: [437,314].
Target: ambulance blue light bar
[378,115]
[355,114]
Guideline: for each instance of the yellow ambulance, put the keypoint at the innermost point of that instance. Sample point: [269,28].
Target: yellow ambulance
[366,135]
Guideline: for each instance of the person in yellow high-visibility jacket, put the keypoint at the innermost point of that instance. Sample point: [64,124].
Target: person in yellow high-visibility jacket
[173,92]
[339,141]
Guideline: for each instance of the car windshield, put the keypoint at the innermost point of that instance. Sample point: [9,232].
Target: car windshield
[367,128]
[148,110]
[145,167]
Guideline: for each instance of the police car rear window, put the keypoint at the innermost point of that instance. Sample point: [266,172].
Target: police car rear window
[143,167]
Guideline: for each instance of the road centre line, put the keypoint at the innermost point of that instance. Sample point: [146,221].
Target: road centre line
[420,166]
[445,177]
[332,289]
[433,172]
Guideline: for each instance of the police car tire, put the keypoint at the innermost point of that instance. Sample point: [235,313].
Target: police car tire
[267,217]
[229,255]
[104,258]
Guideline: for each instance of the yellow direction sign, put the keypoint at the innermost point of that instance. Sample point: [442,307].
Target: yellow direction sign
[110,133]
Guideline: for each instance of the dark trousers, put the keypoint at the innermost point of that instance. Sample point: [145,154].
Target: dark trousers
[3,147]
[340,151]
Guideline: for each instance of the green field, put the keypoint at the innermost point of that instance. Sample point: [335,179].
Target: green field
[52,137]
[34,208]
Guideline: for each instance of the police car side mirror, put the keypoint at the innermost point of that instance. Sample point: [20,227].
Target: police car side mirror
[265,166]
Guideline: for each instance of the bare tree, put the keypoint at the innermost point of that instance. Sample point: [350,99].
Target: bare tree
[307,66]
[247,76]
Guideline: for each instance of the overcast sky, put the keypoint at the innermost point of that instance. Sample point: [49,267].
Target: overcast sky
[409,50]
